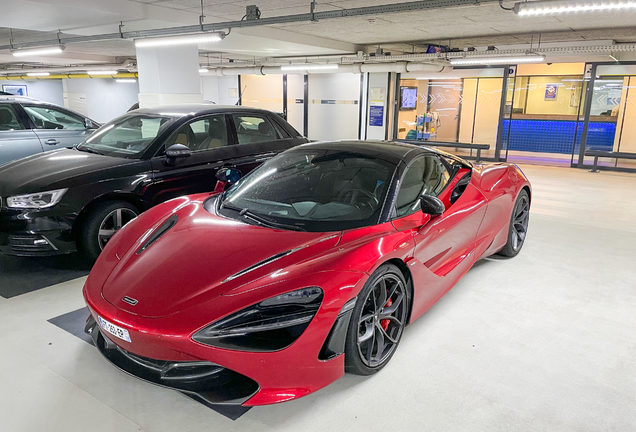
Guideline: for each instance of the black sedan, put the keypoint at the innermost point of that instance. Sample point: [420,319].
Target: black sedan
[76,199]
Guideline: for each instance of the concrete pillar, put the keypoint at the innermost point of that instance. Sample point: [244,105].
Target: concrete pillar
[169,75]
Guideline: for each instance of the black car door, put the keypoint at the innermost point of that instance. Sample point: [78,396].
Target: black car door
[209,139]
[259,136]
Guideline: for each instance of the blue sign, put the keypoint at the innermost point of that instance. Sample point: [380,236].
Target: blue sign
[550,91]
[376,115]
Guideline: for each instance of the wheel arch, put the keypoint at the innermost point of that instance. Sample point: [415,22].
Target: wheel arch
[114,196]
[409,282]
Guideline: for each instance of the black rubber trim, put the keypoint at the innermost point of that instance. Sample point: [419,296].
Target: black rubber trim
[202,380]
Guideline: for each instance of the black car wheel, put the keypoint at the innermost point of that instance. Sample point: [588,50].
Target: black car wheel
[518,226]
[377,322]
[101,225]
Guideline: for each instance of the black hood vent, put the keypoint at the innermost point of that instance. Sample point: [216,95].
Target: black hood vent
[164,228]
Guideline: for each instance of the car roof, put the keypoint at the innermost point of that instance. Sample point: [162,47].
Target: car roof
[391,151]
[195,109]
[14,98]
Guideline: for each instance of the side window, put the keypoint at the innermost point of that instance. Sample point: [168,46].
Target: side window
[426,175]
[46,117]
[8,120]
[252,129]
[202,134]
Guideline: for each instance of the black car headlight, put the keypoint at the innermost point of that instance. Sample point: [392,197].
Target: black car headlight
[271,325]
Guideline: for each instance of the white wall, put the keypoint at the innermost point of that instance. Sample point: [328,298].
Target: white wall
[217,89]
[334,108]
[104,98]
[46,90]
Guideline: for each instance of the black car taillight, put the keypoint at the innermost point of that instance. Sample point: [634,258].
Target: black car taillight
[271,325]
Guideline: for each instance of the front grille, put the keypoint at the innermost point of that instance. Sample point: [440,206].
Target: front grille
[30,243]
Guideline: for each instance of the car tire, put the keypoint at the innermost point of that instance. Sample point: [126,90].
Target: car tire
[363,355]
[518,226]
[101,224]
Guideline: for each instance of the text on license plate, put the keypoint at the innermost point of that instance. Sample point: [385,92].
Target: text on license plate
[117,331]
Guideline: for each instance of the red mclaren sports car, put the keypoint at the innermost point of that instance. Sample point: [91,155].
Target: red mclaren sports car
[309,267]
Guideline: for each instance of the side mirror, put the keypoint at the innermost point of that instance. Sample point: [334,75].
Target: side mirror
[177,151]
[432,205]
[88,123]
[228,175]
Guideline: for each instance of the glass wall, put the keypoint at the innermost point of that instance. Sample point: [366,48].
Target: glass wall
[451,109]
[543,116]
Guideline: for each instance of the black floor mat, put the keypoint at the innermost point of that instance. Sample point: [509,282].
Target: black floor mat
[22,275]
[74,322]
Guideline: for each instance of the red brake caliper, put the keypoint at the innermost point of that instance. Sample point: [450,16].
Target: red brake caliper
[385,322]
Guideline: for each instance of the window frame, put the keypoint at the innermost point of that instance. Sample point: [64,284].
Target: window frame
[451,171]
[64,111]
[161,151]
[19,116]
[264,116]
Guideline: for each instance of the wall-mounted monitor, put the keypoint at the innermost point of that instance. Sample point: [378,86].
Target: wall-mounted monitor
[408,98]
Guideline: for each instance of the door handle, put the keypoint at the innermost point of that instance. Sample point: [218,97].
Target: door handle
[51,141]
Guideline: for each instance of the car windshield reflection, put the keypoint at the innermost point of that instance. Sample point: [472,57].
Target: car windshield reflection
[319,190]
[127,136]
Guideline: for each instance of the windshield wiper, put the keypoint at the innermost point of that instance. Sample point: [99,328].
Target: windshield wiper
[88,150]
[254,217]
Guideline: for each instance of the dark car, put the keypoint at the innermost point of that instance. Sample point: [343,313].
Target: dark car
[28,126]
[76,199]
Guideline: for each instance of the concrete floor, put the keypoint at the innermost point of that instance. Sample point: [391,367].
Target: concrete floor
[542,342]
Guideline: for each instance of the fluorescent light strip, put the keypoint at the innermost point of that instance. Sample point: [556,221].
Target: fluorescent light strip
[102,72]
[179,40]
[496,60]
[204,70]
[308,67]
[38,51]
[126,80]
[38,74]
[549,7]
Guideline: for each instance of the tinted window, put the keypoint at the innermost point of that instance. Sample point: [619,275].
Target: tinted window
[51,118]
[8,120]
[127,136]
[426,175]
[315,190]
[202,134]
[253,129]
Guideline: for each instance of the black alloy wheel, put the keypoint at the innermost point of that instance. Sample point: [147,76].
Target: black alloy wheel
[377,322]
[518,226]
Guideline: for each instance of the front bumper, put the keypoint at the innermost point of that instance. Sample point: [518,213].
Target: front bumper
[25,233]
[201,380]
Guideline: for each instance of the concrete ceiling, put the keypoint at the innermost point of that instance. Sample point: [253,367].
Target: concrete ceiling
[476,25]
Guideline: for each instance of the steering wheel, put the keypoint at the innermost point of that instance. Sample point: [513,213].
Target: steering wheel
[365,193]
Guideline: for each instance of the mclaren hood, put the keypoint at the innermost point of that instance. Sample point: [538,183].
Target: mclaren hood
[191,256]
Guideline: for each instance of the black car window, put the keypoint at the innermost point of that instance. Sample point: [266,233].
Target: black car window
[314,190]
[8,120]
[127,136]
[425,175]
[252,128]
[46,117]
[201,134]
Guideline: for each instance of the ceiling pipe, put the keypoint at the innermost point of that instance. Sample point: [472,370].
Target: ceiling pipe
[401,67]
[129,64]
[66,76]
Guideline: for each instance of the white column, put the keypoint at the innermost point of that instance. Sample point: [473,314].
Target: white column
[169,75]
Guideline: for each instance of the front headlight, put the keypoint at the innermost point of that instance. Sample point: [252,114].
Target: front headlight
[270,325]
[40,200]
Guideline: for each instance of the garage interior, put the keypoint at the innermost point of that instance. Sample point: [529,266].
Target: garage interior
[539,342]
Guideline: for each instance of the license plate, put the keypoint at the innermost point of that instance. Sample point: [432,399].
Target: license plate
[116,331]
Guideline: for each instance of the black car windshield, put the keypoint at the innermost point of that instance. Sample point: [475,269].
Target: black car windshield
[312,190]
[128,136]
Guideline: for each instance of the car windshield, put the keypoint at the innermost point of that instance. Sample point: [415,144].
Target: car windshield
[312,190]
[128,136]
